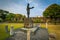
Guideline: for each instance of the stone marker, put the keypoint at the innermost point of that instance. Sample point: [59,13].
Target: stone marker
[46,25]
[6,28]
[12,30]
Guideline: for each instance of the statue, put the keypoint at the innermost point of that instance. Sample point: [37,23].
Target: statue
[28,10]
[28,21]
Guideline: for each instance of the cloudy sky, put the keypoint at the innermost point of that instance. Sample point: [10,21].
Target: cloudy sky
[19,6]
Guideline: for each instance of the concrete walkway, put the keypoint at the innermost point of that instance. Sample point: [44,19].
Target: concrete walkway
[39,34]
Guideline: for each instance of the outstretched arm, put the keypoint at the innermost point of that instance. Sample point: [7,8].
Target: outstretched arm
[31,7]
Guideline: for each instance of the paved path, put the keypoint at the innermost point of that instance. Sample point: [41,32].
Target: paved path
[40,34]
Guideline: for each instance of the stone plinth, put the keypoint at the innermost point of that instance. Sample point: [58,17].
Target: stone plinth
[28,23]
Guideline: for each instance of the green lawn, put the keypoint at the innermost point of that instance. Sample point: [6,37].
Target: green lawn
[51,29]
[3,34]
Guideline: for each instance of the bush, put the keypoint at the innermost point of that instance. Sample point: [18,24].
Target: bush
[1,20]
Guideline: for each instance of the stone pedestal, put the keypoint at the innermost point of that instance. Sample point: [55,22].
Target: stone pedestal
[28,23]
[6,28]
[12,30]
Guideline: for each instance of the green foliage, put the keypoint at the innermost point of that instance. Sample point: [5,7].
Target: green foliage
[3,14]
[6,16]
[53,12]
[10,16]
[1,20]
[37,20]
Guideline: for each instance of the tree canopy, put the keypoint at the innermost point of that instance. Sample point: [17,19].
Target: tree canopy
[7,16]
[52,11]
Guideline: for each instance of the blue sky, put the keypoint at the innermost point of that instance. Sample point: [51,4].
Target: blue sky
[19,6]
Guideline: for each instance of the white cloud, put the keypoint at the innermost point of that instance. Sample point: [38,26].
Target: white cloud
[19,8]
[29,1]
[15,8]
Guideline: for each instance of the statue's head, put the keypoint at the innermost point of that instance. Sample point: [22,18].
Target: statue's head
[28,4]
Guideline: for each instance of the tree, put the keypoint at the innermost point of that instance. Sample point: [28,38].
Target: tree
[19,17]
[10,17]
[3,14]
[52,12]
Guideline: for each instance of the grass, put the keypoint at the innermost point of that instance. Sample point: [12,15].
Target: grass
[51,29]
[3,34]
[54,29]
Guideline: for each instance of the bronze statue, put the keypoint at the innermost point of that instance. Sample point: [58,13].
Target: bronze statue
[28,10]
[28,21]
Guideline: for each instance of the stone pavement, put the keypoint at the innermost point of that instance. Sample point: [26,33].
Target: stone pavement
[39,34]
